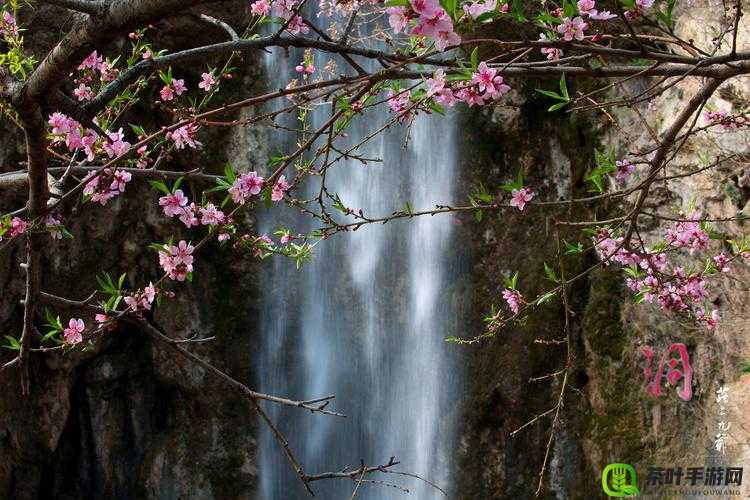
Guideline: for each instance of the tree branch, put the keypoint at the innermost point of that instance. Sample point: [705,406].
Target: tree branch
[90,7]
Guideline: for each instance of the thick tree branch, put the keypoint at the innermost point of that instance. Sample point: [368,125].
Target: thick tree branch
[91,7]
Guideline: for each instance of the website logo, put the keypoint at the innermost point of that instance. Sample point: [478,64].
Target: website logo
[620,480]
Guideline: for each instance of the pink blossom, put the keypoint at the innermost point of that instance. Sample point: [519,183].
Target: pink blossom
[436,83]
[286,238]
[572,28]
[604,15]
[149,292]
[246,185]
[92,61]
[88,141]
[108,73]
[173,204]
[471,96]
[177,261]
[73,334]
[166,93]
[514,299]
[185,135]
[260,8]
[179,86]
[207,81]
[425,7]
[397,18]
[297,25]
[624,169]
[120,178]
[688,234]
[552,53]
[305,68]
[83,92]
[54,226]
[8,24]
[143,159]
[101,319]
[262,242]
[586,6]
[710,321]
[61,124]
[488,82]
[520,197]
[116,146]
[17,227]
[147,54]
[644,4]
[188,215]
[437,90]
[211,216]
[281,187]
[722,262]
[223,237]
[476,9]
[434,22]
[399,101]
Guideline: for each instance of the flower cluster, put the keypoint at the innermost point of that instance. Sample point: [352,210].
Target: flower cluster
[177,260]
[142,301]
[54,226]
[281,187]
[306,68]
[69,130]
[94,70]
[571,27]
[428,19]
[587,8]
[477,8]
[8,24]
[651,276]
[12,227]
[284,9]
[173,88]
[637,10]
[246,185]
[484,86]
[106,185]
[185,136]
[514,299]
[727,122]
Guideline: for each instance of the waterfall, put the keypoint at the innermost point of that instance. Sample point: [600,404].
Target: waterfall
[367,318]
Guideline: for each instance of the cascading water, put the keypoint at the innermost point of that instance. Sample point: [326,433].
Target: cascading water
[366,319]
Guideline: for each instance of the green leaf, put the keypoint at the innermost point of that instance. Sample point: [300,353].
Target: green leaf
[475,58]
[517,10]
[570,9]
[229,173]
[551,274]
[557,106]
[177,184]
[571,249]
[159,185]
[397,3]
[564,87]
[545,298]
[551,94]
[13,344]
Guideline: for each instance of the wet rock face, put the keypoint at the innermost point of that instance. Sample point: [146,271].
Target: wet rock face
[128,420]
[611,417]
